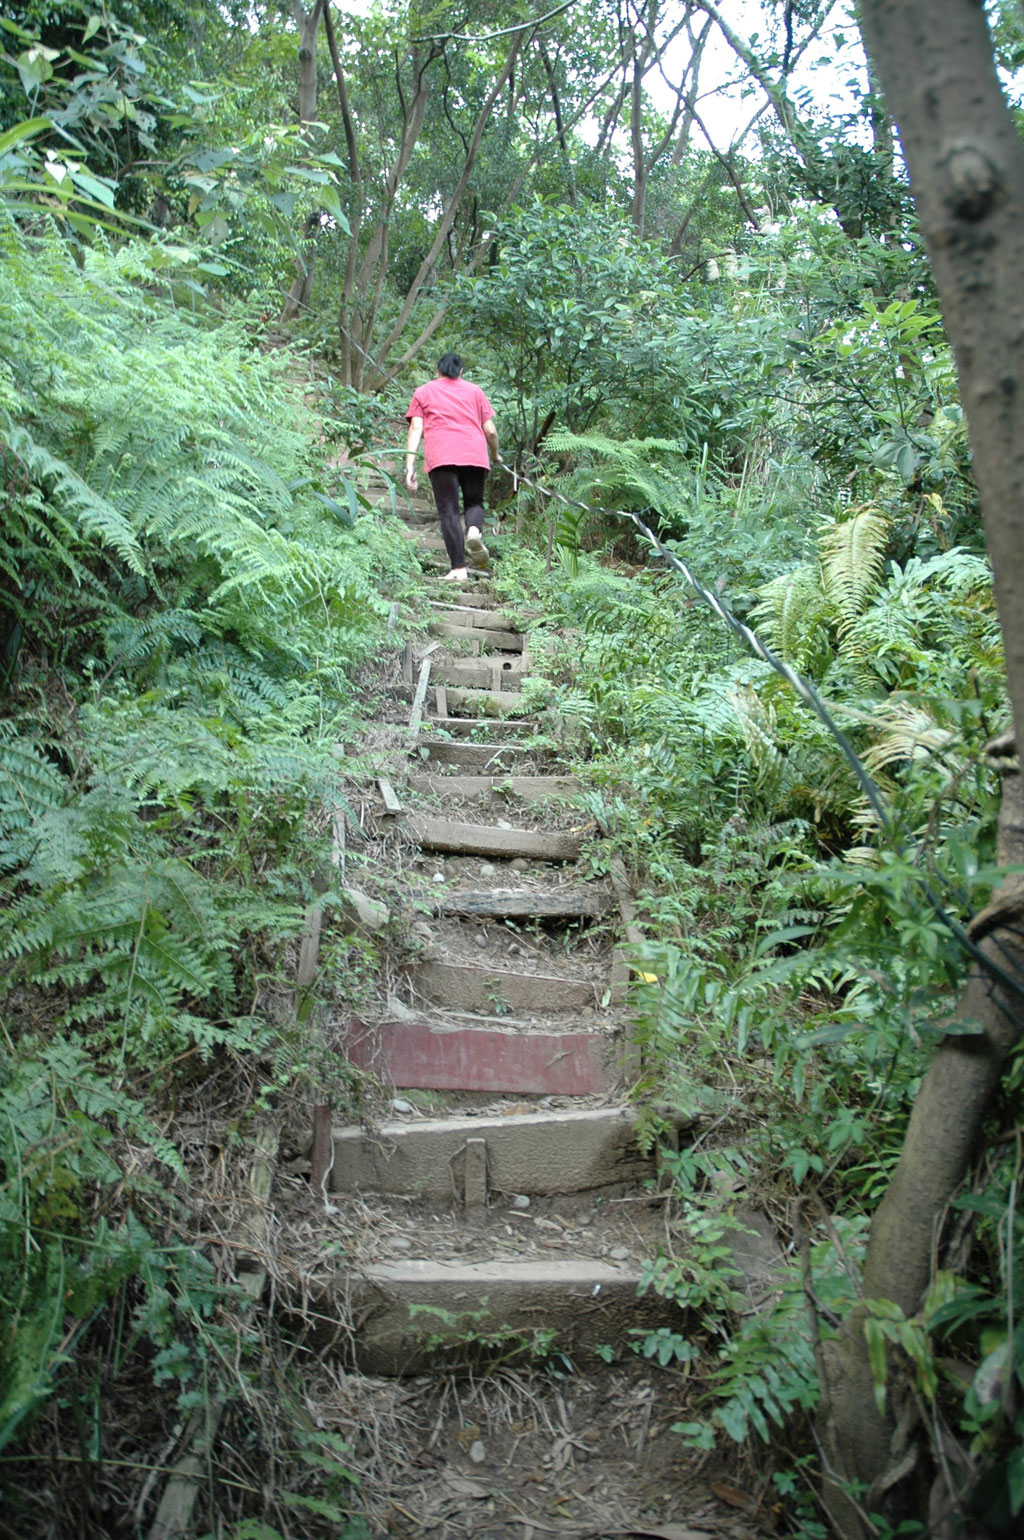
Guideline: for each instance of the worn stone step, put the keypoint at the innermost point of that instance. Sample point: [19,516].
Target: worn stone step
[491,673]
[428,1055]
[484,840]
[582,1306]
[497,992]
[480,757]
[565,903]
[479,636]
[463,726]
[475,705]
[527,788]
[477,617]
[486,703]
[566,1151]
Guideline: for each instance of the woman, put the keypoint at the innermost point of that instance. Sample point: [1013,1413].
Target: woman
[456,422]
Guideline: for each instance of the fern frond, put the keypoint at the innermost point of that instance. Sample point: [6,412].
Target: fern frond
[852,559]
[791,615]
[908,732]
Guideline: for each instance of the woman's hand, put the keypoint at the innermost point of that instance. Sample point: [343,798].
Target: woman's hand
[412,481]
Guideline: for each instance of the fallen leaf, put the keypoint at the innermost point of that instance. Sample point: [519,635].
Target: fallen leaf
[733,1496]
[668,1532]
[467,1488]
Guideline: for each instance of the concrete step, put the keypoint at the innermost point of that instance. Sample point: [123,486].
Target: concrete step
[435,1055]
[525,788]
[535,1153]
[498,991]
[486,637]
[422,1314]
[471,704]
[475,616]
[500,672]
[463,726]
[485,840]
[486,703]
[480,757]
[561,903]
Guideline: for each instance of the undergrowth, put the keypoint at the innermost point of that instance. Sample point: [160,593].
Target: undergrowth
[186,597]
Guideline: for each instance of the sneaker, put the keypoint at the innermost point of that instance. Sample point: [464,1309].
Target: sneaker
[479,555]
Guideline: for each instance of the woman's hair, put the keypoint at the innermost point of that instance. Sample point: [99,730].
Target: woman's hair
[450,365]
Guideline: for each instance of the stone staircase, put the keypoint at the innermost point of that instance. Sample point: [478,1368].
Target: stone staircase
[519,1206]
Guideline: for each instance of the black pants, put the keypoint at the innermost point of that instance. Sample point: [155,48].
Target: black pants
[448,481]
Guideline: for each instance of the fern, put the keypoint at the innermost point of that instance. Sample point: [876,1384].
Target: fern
[791,617]
[852,559]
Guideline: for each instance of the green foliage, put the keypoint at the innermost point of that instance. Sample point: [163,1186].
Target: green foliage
[472,1342]
[185,593]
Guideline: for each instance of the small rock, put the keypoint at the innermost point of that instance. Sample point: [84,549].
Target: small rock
[363,913]
[422,929]
[477,1452]
[587,1012]
[401,1105]
[515,949]
[481,940]
[401,1243]
[503,823]
[619,1253]
[520,1201]
[439,876]
[519,864]
[488,869]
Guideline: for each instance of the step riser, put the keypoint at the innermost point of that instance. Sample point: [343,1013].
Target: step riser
[587,1305]
[468,615]
[445,835]
[527,788]
[464,726]
[474,989]
[487,674]
[419,1056]
[572,904]
[536,1154]
[501,641]
[478,757]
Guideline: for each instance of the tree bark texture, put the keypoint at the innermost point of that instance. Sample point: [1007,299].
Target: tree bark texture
[308,24]
[935,62]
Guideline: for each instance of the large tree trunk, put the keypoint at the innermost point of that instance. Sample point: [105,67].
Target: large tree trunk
[935,62]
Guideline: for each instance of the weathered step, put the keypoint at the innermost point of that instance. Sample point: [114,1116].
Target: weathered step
[475,705]
[490,673]
[527,788]
[580,1307]
[470,839]
[492,703]
[500,991]
[481,757]
[463,726]
[481,636]
[426,1055]
[565,903]
[535,1153]
[474,616]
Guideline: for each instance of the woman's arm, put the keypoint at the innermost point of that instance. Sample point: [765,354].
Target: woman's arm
[412,443]
[491,435]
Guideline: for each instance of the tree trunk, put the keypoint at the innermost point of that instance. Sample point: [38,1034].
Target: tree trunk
[309,25]
[450,210]
[935,62]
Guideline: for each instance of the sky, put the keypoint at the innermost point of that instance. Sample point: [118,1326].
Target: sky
[824,71]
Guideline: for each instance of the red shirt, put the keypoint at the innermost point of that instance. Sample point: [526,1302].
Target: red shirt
[454,413]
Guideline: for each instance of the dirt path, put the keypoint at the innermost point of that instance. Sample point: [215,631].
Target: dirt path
[475,1254]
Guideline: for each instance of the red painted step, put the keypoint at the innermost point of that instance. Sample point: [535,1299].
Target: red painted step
[425,1056]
